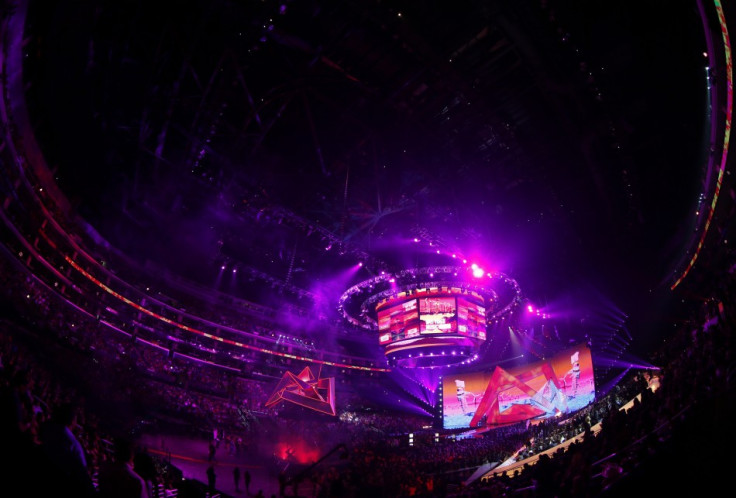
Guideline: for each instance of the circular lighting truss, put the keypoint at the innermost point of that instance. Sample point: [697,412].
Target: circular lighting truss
[433,316]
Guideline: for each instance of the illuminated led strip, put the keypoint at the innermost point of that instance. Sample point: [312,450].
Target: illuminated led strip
[160,347]
[207,362]
[206,334]
[421,346]
[32,250]
[726,140]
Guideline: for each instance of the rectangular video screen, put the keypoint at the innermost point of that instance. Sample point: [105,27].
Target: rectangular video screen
[400,321]
[562,384]
[437,315]
[471,318]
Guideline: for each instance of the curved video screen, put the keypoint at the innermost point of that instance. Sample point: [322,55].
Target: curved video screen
[562,384]
[430,311]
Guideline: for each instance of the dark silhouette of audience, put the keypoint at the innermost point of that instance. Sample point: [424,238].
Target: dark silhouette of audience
[211,478]
[65,454]
[118,478]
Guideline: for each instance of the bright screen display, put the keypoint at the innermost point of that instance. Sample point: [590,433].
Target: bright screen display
[562,384]
[431,311]
[471,318]
[437,315]
[399,321]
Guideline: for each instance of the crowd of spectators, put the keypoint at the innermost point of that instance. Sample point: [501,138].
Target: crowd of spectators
[438,466]
[674,439]
[54,441]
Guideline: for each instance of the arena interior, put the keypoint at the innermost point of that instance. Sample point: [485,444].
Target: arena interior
[367,248]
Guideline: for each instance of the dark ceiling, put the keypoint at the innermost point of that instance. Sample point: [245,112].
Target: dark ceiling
[559,142]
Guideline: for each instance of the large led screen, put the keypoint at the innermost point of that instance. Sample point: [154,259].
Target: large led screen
[471,318]
[437,315]
[431,311]
[399,321]
[562,384]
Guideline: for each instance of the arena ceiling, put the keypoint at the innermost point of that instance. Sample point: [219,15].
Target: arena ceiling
[562,143]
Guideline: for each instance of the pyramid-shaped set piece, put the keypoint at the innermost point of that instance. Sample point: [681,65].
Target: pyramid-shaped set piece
[306,390]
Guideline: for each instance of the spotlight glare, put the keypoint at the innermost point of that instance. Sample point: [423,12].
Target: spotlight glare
[478,272]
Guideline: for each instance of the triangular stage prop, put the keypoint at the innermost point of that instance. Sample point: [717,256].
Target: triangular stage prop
[306,390]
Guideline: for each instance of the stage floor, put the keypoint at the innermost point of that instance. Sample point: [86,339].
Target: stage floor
[190,455]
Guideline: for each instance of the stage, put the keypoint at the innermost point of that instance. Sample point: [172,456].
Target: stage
[190,455]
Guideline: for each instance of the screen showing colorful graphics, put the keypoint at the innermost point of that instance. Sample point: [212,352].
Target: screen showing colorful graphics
[437,315]
[399,321]
[562,384]
[431,311]
[471,318]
